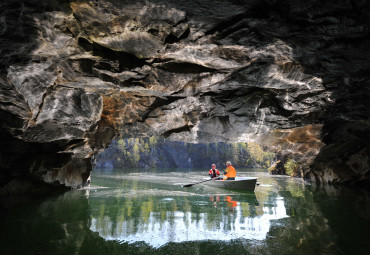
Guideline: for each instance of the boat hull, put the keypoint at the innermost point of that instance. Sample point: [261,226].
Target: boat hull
[240,183]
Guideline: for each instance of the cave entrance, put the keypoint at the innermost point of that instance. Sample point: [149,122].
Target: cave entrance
[158,153]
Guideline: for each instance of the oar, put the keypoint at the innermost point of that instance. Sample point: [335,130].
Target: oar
[189,185]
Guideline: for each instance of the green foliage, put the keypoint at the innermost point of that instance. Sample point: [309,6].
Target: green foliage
[255,150]
[136,152]
[148,151]
[153,141]
[272,167]
[146,147]
[291,167]
[121,144]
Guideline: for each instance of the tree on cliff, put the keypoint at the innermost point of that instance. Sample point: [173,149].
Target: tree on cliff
[152,152]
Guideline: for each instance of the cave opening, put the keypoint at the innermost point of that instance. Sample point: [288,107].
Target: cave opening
[156,152]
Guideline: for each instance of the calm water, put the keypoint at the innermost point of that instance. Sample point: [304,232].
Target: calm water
[148,212]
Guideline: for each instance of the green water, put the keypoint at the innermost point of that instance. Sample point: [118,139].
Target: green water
[149,212]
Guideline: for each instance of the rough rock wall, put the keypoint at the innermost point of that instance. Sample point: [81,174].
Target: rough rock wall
[74,74]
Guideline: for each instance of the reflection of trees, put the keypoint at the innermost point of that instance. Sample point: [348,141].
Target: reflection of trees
[76,222]
[305,225]
[62,225]
[133,215]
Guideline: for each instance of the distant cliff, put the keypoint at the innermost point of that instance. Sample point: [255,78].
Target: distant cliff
[156,152]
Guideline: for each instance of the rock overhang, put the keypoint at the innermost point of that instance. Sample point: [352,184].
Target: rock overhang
[190,72]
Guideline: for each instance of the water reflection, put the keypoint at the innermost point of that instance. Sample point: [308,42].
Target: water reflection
[122,214]
[157,220]
[161,221]
[230,203]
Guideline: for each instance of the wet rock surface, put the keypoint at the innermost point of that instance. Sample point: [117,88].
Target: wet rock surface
[74,74]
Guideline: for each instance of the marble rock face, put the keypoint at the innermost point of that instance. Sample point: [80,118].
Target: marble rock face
[291,75]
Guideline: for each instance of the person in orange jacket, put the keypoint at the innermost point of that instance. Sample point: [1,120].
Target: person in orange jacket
[230,172]
[213,172]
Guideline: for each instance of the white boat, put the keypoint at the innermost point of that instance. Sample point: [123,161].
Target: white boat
[240,183]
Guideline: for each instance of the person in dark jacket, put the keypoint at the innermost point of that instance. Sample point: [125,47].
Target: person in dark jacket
[213,172]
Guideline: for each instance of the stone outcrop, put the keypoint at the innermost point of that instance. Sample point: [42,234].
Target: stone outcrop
[291,75]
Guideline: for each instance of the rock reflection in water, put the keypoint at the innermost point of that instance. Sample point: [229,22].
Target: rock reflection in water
[156,220]
[127,216]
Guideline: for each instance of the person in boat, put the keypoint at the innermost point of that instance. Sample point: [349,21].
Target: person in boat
[230,172]
[213,172]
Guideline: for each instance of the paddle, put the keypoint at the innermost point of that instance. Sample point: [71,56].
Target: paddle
[189,185]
